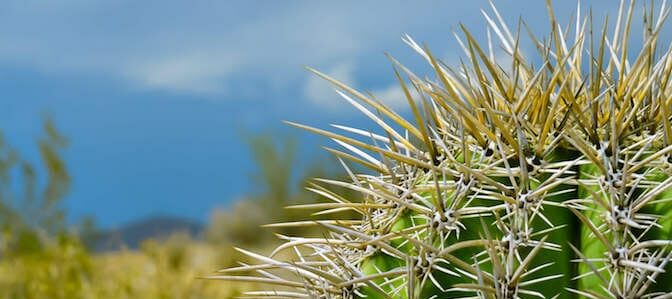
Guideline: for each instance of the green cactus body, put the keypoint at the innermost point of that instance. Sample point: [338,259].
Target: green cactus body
[507,181]
[589,245]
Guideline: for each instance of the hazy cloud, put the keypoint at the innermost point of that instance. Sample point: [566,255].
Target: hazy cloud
[199,48]
[394,97]
[321,93]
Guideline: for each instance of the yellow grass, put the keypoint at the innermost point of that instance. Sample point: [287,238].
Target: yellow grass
[159,270]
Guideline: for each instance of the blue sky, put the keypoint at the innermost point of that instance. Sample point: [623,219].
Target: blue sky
[154,95]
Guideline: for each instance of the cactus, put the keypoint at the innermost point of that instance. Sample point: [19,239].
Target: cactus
[505,181]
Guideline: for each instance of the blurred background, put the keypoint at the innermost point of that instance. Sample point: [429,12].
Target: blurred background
[141,140]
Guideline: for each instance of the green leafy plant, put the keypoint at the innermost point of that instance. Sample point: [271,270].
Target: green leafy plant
[508,180]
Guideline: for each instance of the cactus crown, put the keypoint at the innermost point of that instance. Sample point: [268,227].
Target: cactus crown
[507,181]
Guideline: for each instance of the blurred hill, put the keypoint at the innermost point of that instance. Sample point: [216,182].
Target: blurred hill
[132,235]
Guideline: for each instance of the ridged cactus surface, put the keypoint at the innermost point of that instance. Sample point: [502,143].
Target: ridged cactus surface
[546,176]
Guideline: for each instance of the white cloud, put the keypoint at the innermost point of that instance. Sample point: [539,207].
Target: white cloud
[201,48]
[394,97]
[185,73]
[321,93]
[199,51]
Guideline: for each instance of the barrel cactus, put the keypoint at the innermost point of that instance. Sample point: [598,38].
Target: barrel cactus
[546,177]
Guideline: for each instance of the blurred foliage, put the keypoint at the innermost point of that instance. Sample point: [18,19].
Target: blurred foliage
[168,269]
[275,164]
[274,190]
[30,197]
[42,258]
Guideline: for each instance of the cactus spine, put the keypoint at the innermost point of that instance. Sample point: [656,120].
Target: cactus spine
[506,181]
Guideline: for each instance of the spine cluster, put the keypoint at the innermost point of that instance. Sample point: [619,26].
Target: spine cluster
[508,180]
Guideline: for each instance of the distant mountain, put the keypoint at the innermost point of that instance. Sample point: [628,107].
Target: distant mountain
[133,234]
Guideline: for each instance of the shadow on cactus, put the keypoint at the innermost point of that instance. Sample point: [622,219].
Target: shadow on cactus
[509,180]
